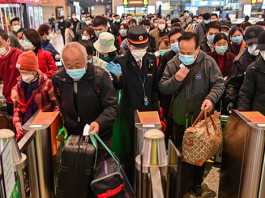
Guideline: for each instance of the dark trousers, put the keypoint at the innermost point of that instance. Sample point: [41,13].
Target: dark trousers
[191,176]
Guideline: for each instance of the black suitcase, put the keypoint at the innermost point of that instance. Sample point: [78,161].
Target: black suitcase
[76,168]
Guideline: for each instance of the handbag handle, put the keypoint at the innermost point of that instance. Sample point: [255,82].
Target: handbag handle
[95,138]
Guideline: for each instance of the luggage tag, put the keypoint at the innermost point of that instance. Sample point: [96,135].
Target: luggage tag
[86,132]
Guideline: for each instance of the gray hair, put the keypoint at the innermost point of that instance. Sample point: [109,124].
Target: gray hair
[75,46]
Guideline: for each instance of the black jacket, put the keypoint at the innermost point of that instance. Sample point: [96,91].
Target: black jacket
[252,92]
[164,99]
[135,82]
[240,66]
[234,82]
[95,100]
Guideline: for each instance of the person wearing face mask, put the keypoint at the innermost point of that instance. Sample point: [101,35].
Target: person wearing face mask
[194,80]
[15,26]
[8,70]
[250,53]
[252,92]
[159,32]
[122,33]
[32,41]
[33,92]
[201,28]
[237,41]
[89,92]
[100,24]
[237,75]
[138,83]
[69,34]
[88,34]
[213,29]
[46,35]
[221,54]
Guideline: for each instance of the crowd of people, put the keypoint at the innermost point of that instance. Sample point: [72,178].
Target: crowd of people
[113,66]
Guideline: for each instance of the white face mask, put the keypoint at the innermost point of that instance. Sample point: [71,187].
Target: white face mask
[162,26]
[138,54]
[3,51]
[16,28]
[262,53]
[85,37]
[27,45]
[252,49]
[28,78]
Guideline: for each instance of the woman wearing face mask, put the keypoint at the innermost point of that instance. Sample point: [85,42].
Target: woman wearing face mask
[46,35]
[33,92]
[32,41]
[88,34]
[69,33]
[236,40]
[159,31]
[221,53]
[122,33]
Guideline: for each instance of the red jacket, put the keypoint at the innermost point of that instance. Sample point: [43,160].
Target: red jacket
[224,62]
[43,97]
[9,72]
[46,63]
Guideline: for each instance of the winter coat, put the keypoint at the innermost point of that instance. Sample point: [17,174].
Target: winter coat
[90,99]
[9,72]
[46,45]
[41,96]
[46,63]
[204,81]
[224,62]
[252,92]
[138,82]
[164,99]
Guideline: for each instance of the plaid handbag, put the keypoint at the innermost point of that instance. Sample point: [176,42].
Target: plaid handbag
[202,140]
[109,178]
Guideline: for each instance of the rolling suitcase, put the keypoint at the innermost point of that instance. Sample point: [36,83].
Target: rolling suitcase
[76,168]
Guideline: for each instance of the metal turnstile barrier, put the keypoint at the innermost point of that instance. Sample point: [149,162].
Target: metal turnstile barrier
[243,164]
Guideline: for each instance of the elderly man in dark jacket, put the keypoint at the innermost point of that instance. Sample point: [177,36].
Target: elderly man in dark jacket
[196,83]
[252,92]
[85,94]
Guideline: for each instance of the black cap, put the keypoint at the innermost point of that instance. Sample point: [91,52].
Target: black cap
[252,34]
[138,36]
[261,41]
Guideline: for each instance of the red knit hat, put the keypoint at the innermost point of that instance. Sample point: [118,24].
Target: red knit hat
[28,61]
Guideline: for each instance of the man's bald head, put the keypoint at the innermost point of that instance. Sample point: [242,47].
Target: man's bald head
[74,56]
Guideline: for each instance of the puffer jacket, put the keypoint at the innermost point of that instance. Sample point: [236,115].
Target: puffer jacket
[252,92]
[204,81]
[92,98]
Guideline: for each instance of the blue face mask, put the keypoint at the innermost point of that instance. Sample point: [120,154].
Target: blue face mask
[221,49]
[187,59]
[175,47]
[76,74]
[210,38]
[237,39]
